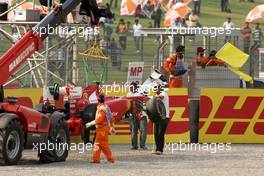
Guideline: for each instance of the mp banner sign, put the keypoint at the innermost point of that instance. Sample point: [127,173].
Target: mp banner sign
[135,72]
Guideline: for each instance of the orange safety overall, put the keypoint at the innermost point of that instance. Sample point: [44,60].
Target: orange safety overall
[102,132]
[169,66]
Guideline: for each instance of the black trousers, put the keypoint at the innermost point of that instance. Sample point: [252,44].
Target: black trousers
[197,7]
[223,5]
[157,23]
[159,133]
[122,42]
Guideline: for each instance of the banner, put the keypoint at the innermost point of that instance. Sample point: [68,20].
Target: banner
[231,115]
[178,126]
[177,130]
[135,72]
[226,115]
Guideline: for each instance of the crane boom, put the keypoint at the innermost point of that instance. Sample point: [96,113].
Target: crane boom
[32,40]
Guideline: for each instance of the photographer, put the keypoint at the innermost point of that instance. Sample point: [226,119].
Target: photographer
[161,125]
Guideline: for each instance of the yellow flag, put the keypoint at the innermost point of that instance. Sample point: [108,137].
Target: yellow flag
[233,56]
[244,76]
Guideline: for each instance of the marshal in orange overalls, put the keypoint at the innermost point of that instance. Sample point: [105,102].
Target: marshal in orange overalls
[102,132]
[169,66]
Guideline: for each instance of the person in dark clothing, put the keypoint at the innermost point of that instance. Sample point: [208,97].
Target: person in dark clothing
[156,16]
[246,32]
[138,12]
[197,6]
[222,5]
[113,50]
[161,125]
[225,6]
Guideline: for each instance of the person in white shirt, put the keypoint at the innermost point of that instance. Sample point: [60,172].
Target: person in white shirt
[228,25]
[137,34]
[138,121]
[161,125]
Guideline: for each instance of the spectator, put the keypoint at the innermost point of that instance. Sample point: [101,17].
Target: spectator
[137,122]
[122,32]
[193,19]
[129,28]
[138,12]
[148,9]
[197,6]
[222,5]
[89,40]
[107,29]
[246,31]
[156,16]
[257,35]
[102,26]
[104,45]
[114,52]
[200,3]
[228,25]
[227,6]
[137,34]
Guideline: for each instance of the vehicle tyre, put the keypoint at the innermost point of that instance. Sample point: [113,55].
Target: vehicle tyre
[57,146]
[11,143]
[155,109]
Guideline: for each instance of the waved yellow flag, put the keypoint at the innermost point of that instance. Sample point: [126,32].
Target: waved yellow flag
[232,56]
[235,58]
[241,74]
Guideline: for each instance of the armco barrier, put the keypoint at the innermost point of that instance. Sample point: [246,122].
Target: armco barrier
[232,115]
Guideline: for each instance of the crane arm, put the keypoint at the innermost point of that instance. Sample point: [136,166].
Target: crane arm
[32,40]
